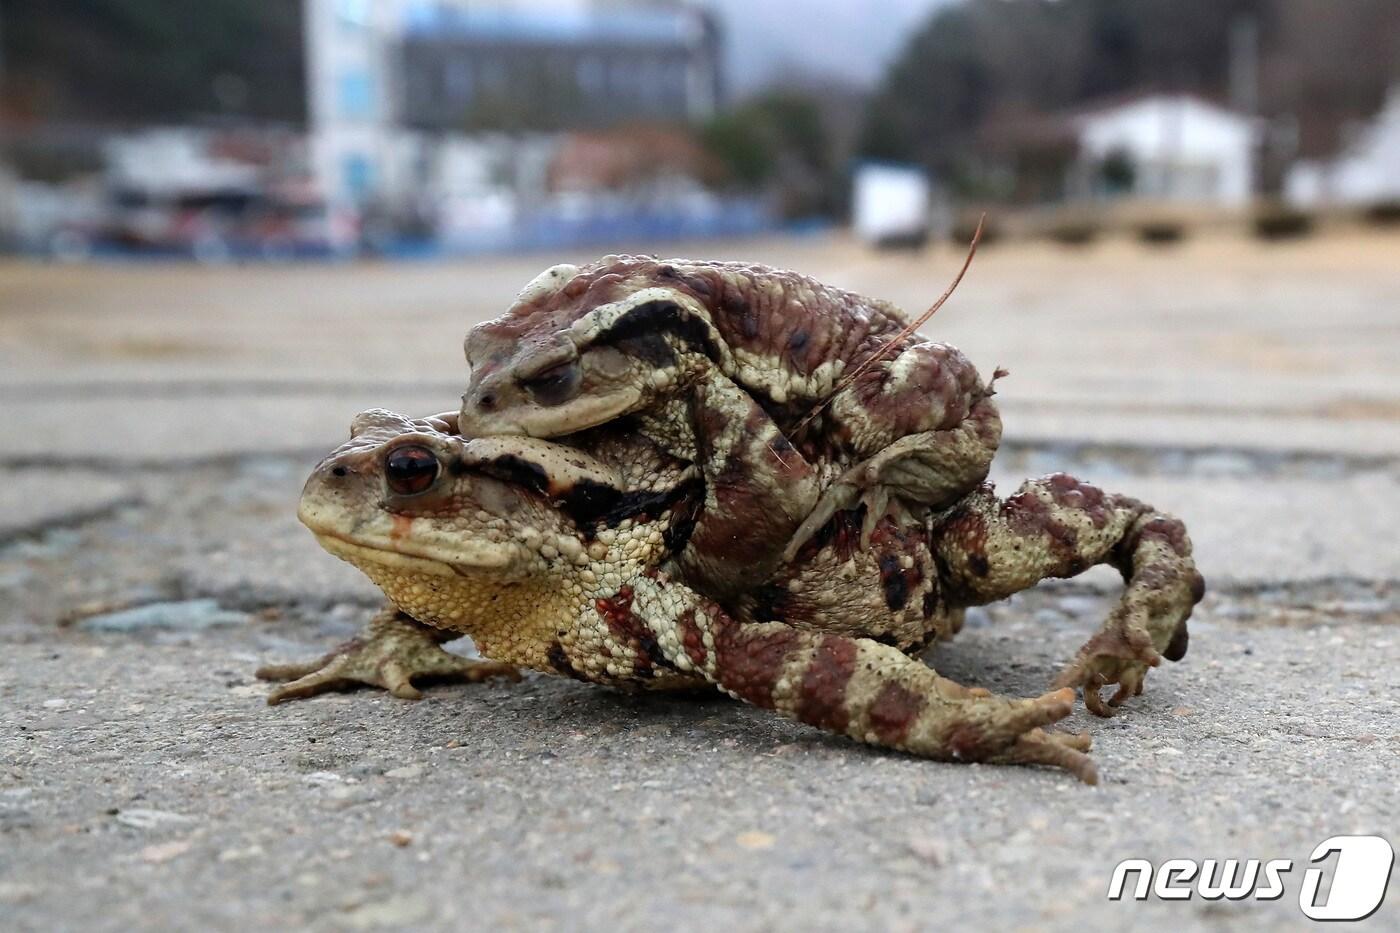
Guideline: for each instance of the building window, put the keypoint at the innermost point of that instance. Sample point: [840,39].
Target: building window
[493,74]
[591,75]
[356,95]
[359,175]
[353,14]
[458,81]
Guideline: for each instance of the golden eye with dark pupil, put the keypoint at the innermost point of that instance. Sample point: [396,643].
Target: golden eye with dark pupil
[410,469]
[555,385]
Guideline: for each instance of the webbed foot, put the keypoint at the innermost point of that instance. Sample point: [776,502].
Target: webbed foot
[1065,750]
[392,652]
[1147,626]
[1121,654]
[1000,730]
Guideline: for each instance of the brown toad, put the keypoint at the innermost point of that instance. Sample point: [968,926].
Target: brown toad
[720,363]
[562,558]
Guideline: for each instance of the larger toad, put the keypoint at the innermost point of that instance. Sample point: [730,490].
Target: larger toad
[562,559]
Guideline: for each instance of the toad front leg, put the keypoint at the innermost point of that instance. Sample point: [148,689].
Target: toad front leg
[1059,527]
[855,686]
[392,652]
[758,487]
[929,427]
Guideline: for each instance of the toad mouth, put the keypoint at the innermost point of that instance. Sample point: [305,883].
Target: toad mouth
[483,558]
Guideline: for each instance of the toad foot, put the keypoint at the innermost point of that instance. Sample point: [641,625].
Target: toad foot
[391,653]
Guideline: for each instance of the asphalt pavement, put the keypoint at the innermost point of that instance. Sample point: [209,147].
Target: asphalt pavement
[159,421]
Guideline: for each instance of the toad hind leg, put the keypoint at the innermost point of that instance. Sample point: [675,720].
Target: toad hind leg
[858,687]
[1057,526]
[392,652]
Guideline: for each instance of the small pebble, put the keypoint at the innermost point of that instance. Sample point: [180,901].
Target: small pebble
[149,819]
[755,840]
[164,851]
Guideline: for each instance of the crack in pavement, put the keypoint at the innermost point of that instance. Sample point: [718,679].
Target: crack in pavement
[1186,460]
[29,531]
[1335,600]
[1213,460]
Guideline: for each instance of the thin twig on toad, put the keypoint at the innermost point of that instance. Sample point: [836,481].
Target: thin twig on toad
[908,329]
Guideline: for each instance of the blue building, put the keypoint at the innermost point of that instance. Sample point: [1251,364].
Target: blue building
[378,69]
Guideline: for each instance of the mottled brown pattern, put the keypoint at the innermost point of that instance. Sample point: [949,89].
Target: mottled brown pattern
[631,630]
[710,424]
[821,698]
[920,645]
[966,741]
[791,572]
[893,712]
[733,537]
[731,528]
[692,639]
[1059,526]
[759,311]
[986,419]
[841,535]
[740,354]
[778,455]
[614,609]
[896,548]
[1069,493]
[1154,575]
[793,323]
[749,660]
[940,393]
[969,529]
[1032,515]
[1169,530]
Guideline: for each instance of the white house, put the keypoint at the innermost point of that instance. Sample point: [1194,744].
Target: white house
[1171,147]
[1366,172]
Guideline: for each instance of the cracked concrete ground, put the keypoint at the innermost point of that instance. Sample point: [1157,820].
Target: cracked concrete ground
[158,424]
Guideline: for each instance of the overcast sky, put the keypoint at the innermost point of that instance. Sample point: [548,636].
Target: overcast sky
[849,39]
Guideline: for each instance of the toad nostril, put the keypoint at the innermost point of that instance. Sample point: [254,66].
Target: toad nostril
[487,402]
[339,471]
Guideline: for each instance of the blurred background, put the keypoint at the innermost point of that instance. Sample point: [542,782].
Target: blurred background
[273,128]
[233,224]
[226,226]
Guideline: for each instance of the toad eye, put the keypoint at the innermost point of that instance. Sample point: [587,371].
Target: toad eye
[554,386]
[410,469]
